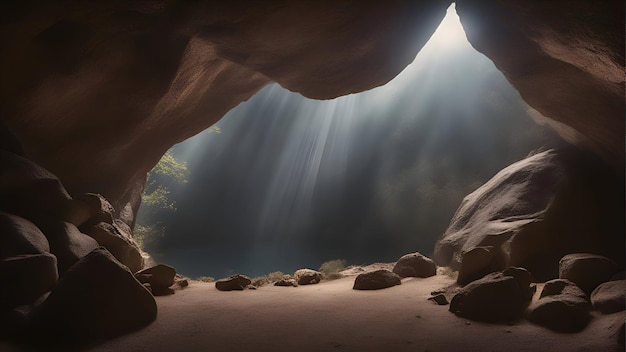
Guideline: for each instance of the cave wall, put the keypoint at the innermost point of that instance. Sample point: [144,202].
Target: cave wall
[96,92]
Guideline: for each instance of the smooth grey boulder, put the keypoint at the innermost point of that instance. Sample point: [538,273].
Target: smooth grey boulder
[586,270]
[608,297]
[376,280]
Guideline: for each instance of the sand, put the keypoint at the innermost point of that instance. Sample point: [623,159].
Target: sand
[330,316]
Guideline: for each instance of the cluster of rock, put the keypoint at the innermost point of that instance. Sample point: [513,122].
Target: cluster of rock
[67,265]
[586,281]
[409,265]
[239,282]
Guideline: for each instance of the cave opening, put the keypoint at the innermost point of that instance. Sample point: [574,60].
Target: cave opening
[284,182]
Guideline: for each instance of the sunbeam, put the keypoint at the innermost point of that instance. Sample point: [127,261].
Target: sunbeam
[292,182]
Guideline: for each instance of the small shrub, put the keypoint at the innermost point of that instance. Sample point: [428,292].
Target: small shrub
[206,279]
[332,268]
[276,276]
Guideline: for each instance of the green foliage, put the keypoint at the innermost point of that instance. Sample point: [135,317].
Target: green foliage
[175,171]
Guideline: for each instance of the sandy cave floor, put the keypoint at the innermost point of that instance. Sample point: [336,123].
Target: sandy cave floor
[330,316]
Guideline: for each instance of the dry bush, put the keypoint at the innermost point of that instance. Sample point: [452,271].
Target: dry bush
[206,279]
[331,270]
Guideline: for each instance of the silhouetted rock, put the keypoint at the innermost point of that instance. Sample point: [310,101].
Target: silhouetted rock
[99,208]
[415,265]
[476,263]
[20,236]
[233,283]
[562,307]
[307,276]
[25,278]
[376,280]
[586,270]
[160,278]
[96,298]
[523,278]
[120,244]
[68,244]
[29,190]
[495,297]
[532,213]
[608,297]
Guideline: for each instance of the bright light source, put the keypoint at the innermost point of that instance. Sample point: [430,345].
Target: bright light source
[450,32]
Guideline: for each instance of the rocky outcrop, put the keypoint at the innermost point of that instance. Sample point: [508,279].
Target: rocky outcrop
[233,283]
[609,297]
[376,280]
[534,212]
[562,307]
[500,296]
[586,270]
[415,265]
[566,58]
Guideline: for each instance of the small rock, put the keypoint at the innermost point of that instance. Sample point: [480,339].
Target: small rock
[562,307]
[608,297]
[586,270]
[376,280]
[415,265]
[233,283]
[307,276]
[286,282]
[439,299]
[160,276]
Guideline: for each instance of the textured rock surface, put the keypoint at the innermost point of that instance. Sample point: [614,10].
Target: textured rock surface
[609,297]
[20,236]
[562,307]
[97,298]
[307,276]
[415,265]
[98,92]
[233,283]
[520,212]
[119,243]
[586,270]
[566,58]
[478,262]
[376,280]
[495,297]
[68,244]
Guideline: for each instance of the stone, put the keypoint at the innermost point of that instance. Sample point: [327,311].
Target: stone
[307,276]
[29,190]
[233,283]
[68,244]
[495,297]
[439,299]
[415,265]
[25,278]
[76,212]
[120,244]
[160,276]
[476,263]
[524,280]
[608,297]
[562,307]
[20,236]
[586,270]
[286,282]
[376,280]
[534,212]
[96,298]
[100,209]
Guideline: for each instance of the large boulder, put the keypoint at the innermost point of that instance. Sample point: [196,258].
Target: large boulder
[25,278]
[119,243]
[609,297]
[235,282]
[534,212]
[160,277]
[376,280]
[307,276]
[495,297]
[586,270]
[415,265]
[478,262]
[96,298]
[20,236]
[29,190]
[100,210]
[562,307]
[68,244]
